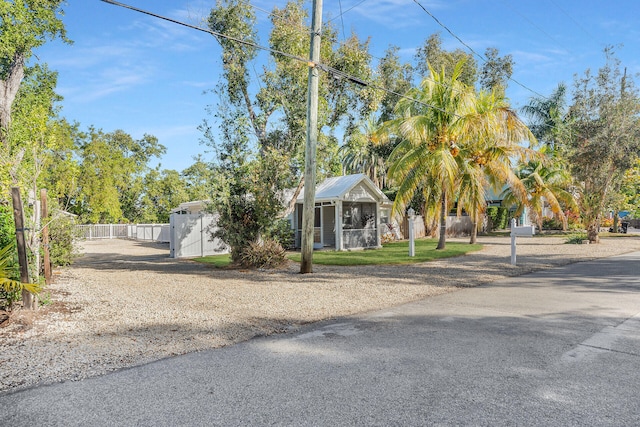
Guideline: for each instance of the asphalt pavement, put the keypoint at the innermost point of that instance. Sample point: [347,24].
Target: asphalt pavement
[559,347]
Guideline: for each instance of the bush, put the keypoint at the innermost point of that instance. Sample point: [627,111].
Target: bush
[7,226]
[551,224]
[498,217]
[577,238]
[266,253]
[63,238]
[282,233]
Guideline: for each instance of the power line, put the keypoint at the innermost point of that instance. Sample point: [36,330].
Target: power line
[343,12]
[320,66]
[341,19]
[482,58]
[534,25]
[574,21]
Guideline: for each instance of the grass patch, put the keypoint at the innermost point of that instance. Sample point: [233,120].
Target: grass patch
[217,261]
[391,253]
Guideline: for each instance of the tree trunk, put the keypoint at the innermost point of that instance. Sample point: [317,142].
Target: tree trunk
[442,242]
[8,91]
[292,203]
[592,233]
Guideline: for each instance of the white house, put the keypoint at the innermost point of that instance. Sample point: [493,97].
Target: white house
[350,212]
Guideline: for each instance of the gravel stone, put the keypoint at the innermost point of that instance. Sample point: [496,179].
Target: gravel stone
[125,303]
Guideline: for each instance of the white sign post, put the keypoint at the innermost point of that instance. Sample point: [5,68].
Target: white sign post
[524,230]
[412,245]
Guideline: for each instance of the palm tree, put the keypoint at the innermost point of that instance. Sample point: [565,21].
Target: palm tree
[545,181]
[452,140]
[549,118]
[486,160]
[363,153]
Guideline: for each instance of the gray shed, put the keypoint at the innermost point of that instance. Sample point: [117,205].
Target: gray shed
[349,212]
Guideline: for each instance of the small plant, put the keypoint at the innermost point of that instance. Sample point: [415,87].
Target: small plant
[577,238]
[266,253]
[10,287]
[45,299]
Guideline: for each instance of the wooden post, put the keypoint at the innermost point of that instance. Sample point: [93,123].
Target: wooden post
[18,217]
[45,237]
[308,207]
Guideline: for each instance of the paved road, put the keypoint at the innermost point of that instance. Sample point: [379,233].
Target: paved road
[559,347]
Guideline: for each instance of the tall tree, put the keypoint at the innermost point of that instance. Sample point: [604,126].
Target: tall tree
[444,128]
[496,71]
[269,117]
[363,153]
[198,179]
[549,118]
[163,190]
[432,56]
[110,164]
[605,139]
[394,76]
[24,26]
[546,182]
[276,110]
[35,132]
[494,138]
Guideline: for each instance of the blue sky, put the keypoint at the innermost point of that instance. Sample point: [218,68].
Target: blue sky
[140,74]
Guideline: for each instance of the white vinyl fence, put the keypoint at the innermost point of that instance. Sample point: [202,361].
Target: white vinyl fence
[147,232]
[188,235]
[191,236]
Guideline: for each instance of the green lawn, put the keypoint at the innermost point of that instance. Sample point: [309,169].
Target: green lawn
[218,261]
[391,253]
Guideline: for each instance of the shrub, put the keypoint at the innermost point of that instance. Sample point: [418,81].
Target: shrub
[7,226]
[10,285]
[63,239]
[577,238]
[551,224]
[282,233]
[498,217]
[266,253]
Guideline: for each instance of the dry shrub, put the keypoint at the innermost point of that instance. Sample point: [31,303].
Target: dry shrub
[266,253]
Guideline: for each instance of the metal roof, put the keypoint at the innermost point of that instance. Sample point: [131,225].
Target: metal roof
[337,187]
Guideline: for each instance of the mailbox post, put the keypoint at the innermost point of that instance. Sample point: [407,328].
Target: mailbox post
[525,231]
[412,244]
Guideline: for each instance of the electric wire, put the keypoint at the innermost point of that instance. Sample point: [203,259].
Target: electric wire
[470,48]
[248,3]
[343,12]
[344,36]
[553,2]
[320,66]
[534,25]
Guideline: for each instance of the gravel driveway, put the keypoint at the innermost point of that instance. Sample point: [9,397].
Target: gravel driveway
[126,303]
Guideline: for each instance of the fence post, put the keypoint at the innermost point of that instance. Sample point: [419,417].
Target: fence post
[18,217]
[45,237]
[201,236]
